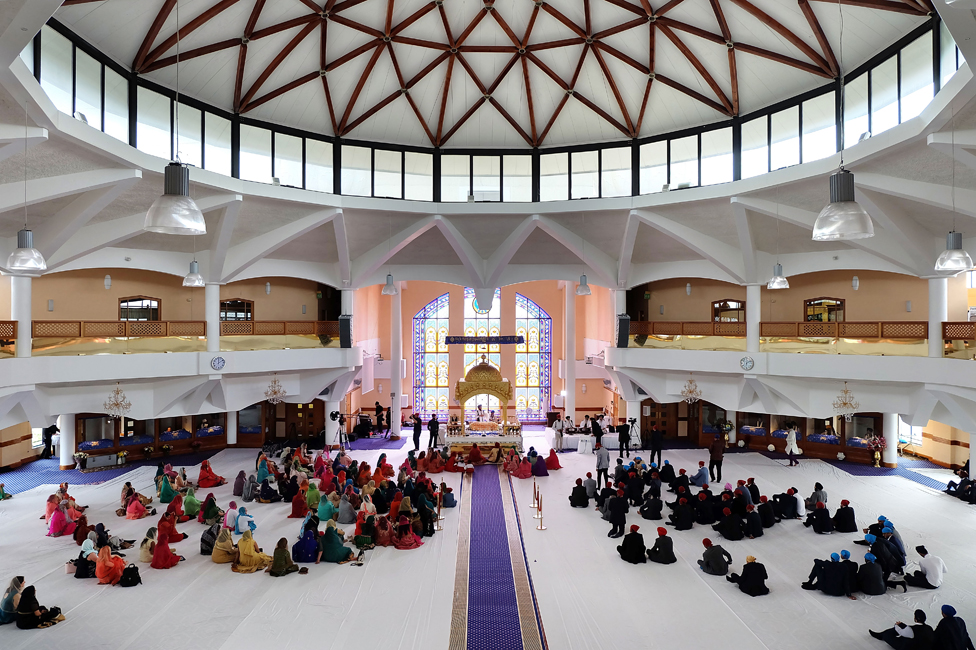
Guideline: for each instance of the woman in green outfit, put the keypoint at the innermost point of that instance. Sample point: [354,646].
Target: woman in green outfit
[331,548]
[282,564]
[191,505]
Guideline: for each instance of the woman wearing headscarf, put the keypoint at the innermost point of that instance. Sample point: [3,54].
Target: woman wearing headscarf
[379,498]
[210,514]
[383,534]
[524,469]
[512,462]
[632,547]
[148,545]
[245,522]
[495,455]
[239,484]
[251,558]
[368,507]
[447,496]
[552,461]
[230,517]
[88,549]
[267,494]
[208,539]
[108,567]
[135,509]
[313,497]
[4,494]
[331,548]
[125,495]
[395,506]
[176,507]
[452,463]
[208,479]
[539,468]
[10,600]
[191,505]
[405,539]
[327,509]
[435,464]
[32,615]
[663,550]
[224,550]
[163,556]
[347,514]
[427,514]
[60,523]
[263,473]
[299,506]
[281,563]
[306,549]
[82,529]
[753,578]
[167,526]
[291,488]
[251,489]
[166,491]
[475,457]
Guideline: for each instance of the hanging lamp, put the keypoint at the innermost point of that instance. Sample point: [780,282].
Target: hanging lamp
[843,218]
[193,278]
[953,259]
[583,289]
[175,213]
[26,258]
[389,289]
[778,281]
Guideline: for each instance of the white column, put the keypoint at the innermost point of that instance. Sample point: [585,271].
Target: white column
[20,311]
[332,428]
[212,302]
[231,428]
[634,411]
[619,307]
[569,350]
[753,316]
[66,422]
[396,358]
[889,422]
[938,313]
[347,301]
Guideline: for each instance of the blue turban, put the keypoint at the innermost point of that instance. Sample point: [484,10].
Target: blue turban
[869,557]
[834,557]
[870,539]
[667,462]
[845,554]
[948,610]
[654,465]
[882,518]
[886,530]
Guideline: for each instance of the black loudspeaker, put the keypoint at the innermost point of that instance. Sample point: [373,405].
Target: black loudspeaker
[345,331]
[623,330]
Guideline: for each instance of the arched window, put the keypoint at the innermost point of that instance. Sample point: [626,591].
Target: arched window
[479,322]
[533,361]
[430,358]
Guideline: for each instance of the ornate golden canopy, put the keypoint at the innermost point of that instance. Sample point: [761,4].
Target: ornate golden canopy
[484,379]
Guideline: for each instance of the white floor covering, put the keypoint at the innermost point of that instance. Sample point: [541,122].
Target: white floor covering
[588,597]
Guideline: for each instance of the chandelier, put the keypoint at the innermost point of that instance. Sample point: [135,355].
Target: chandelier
[691,393]
[117,405]
[846,405]
[275,394]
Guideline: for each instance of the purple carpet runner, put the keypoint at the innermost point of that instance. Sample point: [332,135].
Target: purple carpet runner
[493,617]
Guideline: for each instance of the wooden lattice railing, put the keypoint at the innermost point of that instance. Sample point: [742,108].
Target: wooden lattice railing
[8,329]
[958,330]
[847,330]
[690,328]
[279,328]
[76,329]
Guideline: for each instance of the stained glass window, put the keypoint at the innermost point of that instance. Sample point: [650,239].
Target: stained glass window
[533,360]
[431,360]
[478,322]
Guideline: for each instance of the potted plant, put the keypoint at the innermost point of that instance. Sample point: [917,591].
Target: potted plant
[166,449]
[82,459]
[122,454]
[877,444]
[148,451]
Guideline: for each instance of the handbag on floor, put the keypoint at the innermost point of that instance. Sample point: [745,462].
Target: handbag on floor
[130,576]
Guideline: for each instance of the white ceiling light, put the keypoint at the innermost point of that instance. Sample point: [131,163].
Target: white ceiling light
[778,281]
[26,258]
[193,278]
[389,289]
[842,218]
[175,213]
[953,259]
[583,289]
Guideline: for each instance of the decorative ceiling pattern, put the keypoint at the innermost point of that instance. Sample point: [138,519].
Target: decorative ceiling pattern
[501,65]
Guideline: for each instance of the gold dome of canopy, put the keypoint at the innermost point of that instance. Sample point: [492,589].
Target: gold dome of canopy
[482,372]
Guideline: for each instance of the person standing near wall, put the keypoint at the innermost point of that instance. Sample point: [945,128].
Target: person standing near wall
[716,452]
[47,435]
[657,443]
[557,428]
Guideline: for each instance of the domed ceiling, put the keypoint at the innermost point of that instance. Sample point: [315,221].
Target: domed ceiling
[503,74]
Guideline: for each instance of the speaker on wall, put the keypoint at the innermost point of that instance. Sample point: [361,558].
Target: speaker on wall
[623,330]
[345,331]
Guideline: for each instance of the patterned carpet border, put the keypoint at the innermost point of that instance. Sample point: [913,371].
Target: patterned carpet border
[459,609]
[529,609]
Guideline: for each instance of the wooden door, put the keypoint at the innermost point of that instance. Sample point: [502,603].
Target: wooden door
[665,416]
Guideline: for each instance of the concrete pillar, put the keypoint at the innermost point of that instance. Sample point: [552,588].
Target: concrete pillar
[938,313]
[231,428]
[890,422]
[396,358]
[20,311]
[332,428]
[569,350]
[753,316]
[66,422]
[212,304]
[347,301]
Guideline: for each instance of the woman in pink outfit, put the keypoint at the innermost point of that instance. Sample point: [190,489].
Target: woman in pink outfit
[524,470]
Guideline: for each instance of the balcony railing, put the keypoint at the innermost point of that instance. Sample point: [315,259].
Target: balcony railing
[895,338]
[8,338]
[75,337]
[959,338]
[278,334]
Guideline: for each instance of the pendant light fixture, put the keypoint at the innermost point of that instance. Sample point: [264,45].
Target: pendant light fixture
[193,278]
[583,289]
[389,289]
[778,281]
[26,258]
[843,218]
[953,259]
[175,213]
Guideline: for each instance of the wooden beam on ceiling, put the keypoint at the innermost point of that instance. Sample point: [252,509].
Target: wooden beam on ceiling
[188,29]
[281,90]
[694,60]
[667,81]
[275,62]
[779,58]
[150,38]
[447,88]
[819,33]
[616,91]
[192,54]
[780,29]
[885,5]
[528,97]
[359,86]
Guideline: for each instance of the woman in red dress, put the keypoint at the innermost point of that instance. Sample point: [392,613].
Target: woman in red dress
[299,506]
[163,557]
[524,470]
[167,526]
[475,457]
[176,508]
[208,479]
[552,461]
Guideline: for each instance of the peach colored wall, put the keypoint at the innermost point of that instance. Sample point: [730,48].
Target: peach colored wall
[594,317]
[944,445]
[880,296]
[15,445]
[5,297]
[81,295]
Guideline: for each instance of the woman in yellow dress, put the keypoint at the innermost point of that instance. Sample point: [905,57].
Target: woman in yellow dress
[224,549]
[251,558]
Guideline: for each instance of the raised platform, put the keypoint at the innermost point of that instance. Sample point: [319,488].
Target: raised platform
[464,443]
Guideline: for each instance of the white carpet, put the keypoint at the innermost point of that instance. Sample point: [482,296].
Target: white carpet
[588,597]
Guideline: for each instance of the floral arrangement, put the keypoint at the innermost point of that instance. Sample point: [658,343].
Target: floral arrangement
[167,448]
[148,450]
[741,443]
[725,426]
[840,455]
[122,454]
[79,455]
[771,448]
[877,443]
